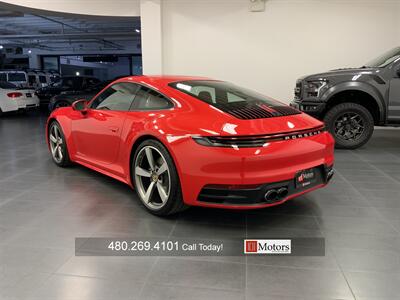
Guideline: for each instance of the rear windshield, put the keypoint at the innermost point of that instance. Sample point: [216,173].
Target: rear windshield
[16,77]
[7,85]
[220,93]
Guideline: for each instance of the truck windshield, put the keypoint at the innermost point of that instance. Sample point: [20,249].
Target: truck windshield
[385,59]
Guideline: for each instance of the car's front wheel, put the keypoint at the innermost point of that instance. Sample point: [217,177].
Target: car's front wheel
[156,179]
[58,145]
[350,124]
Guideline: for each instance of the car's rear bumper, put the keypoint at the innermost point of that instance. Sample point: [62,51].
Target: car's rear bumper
[234,170]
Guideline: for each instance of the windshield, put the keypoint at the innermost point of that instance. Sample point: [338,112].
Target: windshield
[16,77]
[221,93]
[385,59]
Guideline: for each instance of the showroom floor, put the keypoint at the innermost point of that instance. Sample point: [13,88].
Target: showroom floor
[43,208]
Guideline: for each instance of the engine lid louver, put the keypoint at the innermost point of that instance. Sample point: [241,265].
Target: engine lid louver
[250,111]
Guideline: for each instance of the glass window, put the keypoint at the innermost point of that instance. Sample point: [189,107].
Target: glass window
[50,63]
[148,99]
[385,59]
[89,82]
[72,82]
[42,79]
[16,77]
[32,79]
[119,97]
[3,77]
[220,93]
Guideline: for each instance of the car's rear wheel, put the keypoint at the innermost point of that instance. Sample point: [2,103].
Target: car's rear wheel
[58,145]
[351,125]
[156,179]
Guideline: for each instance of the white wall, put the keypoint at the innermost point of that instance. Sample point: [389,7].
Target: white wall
[151,33]
[268,51]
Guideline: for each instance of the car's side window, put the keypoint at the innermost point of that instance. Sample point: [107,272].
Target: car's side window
[148,99]
[118,97]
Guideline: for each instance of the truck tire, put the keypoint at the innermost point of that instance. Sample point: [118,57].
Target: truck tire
[351,125]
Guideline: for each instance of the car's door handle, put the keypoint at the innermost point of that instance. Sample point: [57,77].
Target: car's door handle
[113,129]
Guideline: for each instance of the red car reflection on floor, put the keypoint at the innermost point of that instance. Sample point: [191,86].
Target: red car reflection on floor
[182,141]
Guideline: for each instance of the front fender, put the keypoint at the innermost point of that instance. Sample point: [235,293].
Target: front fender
[358,86]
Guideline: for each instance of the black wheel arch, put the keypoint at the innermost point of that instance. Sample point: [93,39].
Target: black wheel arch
[368,98]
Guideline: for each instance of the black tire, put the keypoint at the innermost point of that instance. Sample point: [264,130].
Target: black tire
[174,202]
[337,113]
[65,161]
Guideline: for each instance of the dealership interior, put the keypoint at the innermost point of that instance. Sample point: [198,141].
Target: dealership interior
[264,45]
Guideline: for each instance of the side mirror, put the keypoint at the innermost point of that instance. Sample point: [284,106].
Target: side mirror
[80,105]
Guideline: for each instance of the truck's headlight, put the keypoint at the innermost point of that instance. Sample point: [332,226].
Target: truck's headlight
[313,88]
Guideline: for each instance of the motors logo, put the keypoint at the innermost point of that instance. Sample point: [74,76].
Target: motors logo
[267,246]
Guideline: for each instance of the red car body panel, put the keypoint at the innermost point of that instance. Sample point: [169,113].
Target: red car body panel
[104,141]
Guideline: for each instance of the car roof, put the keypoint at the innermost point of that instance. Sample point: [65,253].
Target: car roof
[161,79]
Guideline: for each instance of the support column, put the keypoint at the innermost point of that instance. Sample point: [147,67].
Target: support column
[151,32]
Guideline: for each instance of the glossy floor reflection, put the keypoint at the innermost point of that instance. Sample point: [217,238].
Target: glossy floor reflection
[43,208]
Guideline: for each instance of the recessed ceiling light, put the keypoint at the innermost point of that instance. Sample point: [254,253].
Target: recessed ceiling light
[137,30]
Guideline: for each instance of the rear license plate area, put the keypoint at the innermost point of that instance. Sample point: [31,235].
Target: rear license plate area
[306,178]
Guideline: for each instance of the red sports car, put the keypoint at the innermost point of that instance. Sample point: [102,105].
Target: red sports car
[182,141]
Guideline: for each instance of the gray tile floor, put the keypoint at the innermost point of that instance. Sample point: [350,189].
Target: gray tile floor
[43,208]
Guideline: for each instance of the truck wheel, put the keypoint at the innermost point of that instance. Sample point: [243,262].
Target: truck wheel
[350,124]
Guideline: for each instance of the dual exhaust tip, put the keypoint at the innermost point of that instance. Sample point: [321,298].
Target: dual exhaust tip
[276,194]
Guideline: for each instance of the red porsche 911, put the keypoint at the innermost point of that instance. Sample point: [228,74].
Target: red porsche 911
[184,141]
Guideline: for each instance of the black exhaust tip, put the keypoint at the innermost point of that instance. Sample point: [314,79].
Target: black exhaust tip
[329,175]
[271,195]
[282,193]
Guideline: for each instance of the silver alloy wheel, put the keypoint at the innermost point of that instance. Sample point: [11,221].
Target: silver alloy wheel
[152,174]
[56,143]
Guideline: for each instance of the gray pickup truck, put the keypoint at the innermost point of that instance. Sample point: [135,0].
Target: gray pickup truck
[351,101]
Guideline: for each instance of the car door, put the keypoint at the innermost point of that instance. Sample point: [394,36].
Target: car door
[97,133]
[394,96]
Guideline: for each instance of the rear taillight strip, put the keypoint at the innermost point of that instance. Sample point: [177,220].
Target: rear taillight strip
[14,95]
[255,140]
